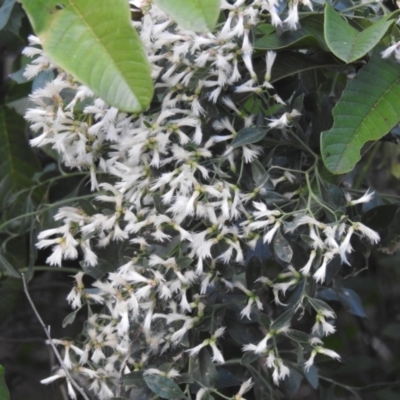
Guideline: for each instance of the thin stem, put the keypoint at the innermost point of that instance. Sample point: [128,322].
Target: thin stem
[302,143]
[348,388]
[47,332]
[359,6]
[51,180]
[316,198]
[66,270]
[56,204]
[241,171]
[220,394]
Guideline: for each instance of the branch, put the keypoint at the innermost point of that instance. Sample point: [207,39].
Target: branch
[47,332]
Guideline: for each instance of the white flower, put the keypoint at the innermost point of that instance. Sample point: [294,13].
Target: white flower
[244,387]
[345,246]
[367,232]
[388,52]
[59,374]
[271,233]
[323,327]
[293,16]
[320,274]
[306,269]
[270,59]
[320,350]
[363,199]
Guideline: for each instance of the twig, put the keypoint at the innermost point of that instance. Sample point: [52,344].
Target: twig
[124,363]
[121,374]
[47,331]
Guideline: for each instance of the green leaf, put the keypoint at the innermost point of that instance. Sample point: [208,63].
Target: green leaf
[164,387]
[283,320]
[282,247]
[225,379]
[5,12]
[18,162]
[312,376]
[259,173]
[248,136]
[292,382]
[243,333]
[346,42]
[4,393]
[289,63]
[6,266]
[310,35]
[297,336]
[96,43]
[135,379]
[349,299]
[319,305]
[70,318]
[204,371]
[195,15]
[366,111]
[97,272]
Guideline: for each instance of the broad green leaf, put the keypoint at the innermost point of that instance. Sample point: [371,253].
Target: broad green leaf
[288,63]
[367,110]
[248,136]
[195,15]
[5,12]
[18,162]
[310,35]
[4,393]
[164,387]
[346,42]
[94,41]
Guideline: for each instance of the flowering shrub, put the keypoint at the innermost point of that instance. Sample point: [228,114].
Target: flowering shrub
[217,234]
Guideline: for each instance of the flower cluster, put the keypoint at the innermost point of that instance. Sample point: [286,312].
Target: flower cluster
[180,201]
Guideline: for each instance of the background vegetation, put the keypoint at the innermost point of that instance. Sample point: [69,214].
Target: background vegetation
[34,184]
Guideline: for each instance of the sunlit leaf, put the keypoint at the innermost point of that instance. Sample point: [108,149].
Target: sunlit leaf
[366,111]
[195,15]
[346,42]
[94,41]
